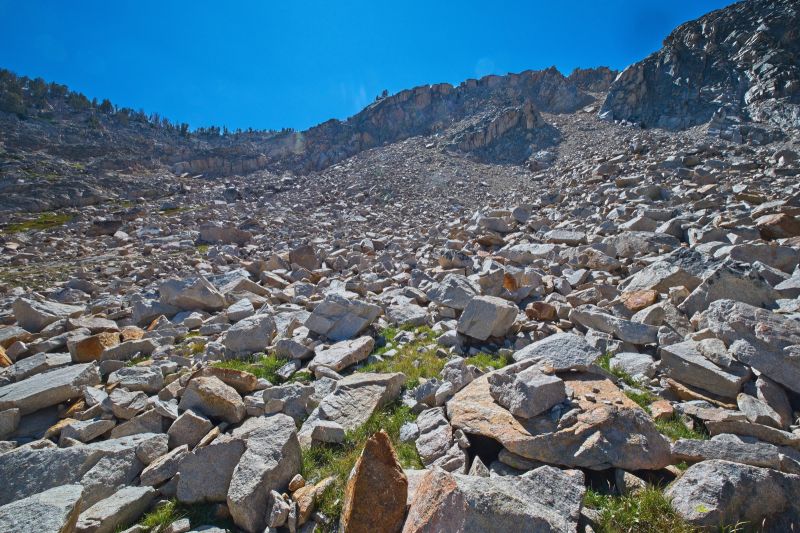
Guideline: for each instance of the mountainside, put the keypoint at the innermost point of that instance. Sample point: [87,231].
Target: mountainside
[530,302]
[742,61]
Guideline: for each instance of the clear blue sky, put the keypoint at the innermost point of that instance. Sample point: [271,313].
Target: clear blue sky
[271,64]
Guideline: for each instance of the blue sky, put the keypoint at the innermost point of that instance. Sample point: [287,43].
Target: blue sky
[269,64]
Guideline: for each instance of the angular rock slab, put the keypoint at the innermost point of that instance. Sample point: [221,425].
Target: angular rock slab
[205,474]
[34,315]
[49,388]
[376,492]
[339,318]
[544,499]
[717,492]
[562,351]
[118,510]
[55,510]
[101,467]
[353,401]
[343,354]
[213,398]
[487,316]
[759,338]
[270,461]
[601,436]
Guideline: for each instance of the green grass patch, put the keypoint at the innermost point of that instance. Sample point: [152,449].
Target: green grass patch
[487,361]
[136,360]
[647,511]
[416,359]
[202,248]
[642,397]
[604,362]
[44,221]
[161,517]
[675,428]
[173,211]
[261,365]
[337,460]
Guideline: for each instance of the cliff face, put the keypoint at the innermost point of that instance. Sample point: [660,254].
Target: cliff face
[743,60]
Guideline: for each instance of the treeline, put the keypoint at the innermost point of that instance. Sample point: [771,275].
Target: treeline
[27,98]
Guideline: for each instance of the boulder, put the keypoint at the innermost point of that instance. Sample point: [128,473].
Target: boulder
[192,294]
[188,429]
[717,492]
[544,499]
[33,315]
[252,334]
[51,511]
[562,351]
[354,400]
[527,393]
[215,232]
[339,318]
[376,491]
[270,460]
[343,354]
[213,398]
[686,363]
[205,474]
[117,511]
[454,291]
[86,349]
[487,316]
[48,388]
[591,316]
[608,430]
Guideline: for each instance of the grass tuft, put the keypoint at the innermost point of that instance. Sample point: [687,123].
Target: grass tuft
[261,365]
[486,361]
[416,359]
[162,516]
[646,511]
[675,428]
[44,221]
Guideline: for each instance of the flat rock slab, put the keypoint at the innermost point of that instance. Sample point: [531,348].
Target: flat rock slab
[49,388]
[52,511]
[353,401]
[602,435]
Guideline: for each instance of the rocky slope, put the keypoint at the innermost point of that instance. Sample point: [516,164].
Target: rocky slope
[472,308]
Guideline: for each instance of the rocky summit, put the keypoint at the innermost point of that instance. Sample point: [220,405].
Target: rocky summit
[530,302]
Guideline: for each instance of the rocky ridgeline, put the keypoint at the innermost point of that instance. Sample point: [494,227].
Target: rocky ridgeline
[739,62]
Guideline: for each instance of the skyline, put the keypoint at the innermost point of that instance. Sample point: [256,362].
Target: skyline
[275,66]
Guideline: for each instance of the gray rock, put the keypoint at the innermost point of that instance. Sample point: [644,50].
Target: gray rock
[101,468]
[49,388]
[149,421]
[343,354]
[545,499]
[118,510]
[747,451]
[165,467]
[86,430]
[328,431]
[527,393]
[290,399]
[339,318]
[404,315]
[51,511]
[9,422]
[685,363]
[147,379]
[205,474]
[717,492]
[251,334]
[191,294]
[188,429]
[731,281]
[487,316]
[435,435]
[635,364]
[562,351]
[354,400]
[212,397]
[758,338]
[33,315]
[454,291]
[590,316]
[270,461]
